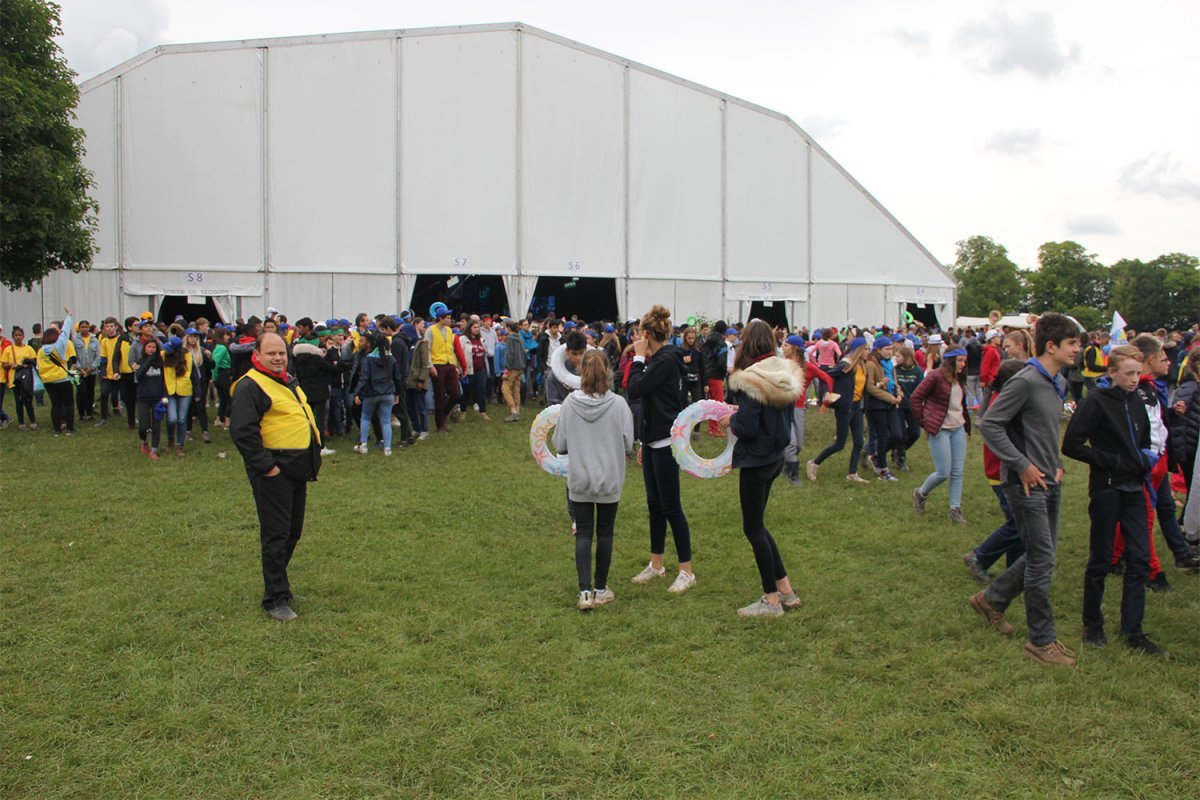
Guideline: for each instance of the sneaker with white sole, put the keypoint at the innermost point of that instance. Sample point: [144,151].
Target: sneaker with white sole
[603,596]
[789,601]
[761,608]
[360,448]
[423,436]
[854,477]
[683,582]
[812,467]
[649,574]
[325,451]
[586,600]
[387,451]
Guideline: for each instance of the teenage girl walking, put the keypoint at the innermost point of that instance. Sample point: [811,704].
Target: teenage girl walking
[596,429]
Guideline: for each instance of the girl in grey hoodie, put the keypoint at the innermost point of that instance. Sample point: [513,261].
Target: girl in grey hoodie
[596,429]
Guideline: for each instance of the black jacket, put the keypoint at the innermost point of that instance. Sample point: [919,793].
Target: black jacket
[843,384]
[1185,428]
[378,376]
[712,352]
[313,371]
[762,431]
[658,384]
[246,411]
[1108,431]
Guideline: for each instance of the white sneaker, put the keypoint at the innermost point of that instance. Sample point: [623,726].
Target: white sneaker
[325,451]
[387,451]
[603,596]
[395,422]
[360,448]
[683,582]
[649,574]
[761,608]
[422,436]
[586,600]
[812,469]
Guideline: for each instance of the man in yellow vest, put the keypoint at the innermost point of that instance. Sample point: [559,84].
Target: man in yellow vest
[448,364]
[275,431]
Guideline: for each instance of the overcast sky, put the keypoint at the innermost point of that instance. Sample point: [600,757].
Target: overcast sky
[1024,121]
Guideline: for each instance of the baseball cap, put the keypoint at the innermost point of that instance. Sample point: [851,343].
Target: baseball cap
[881,342]
[954,351]
[855,344]
[994,333]
[794,341]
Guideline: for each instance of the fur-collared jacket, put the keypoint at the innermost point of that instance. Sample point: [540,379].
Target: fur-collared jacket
[765,394]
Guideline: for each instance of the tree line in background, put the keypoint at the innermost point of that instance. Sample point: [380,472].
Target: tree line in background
[1164,292]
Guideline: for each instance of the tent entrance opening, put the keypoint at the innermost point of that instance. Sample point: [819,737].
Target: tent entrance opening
[774,314]
[473,294]
[590,299]
[178,305]
[924,314]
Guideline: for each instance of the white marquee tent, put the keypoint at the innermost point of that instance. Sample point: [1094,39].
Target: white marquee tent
[326,175]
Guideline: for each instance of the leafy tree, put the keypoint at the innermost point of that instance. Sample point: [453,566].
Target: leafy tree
[987,278]
[1068,277]
[1181,288]
[47,220]
[1138,292]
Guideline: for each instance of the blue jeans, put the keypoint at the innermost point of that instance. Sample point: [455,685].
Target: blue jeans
[1004,541]
[379,406]
[418,411]
[949,451]
[177,414]
[1036,515]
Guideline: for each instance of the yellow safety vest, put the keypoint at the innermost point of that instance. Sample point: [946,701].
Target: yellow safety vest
[441,346]
[178,385]
[289,421]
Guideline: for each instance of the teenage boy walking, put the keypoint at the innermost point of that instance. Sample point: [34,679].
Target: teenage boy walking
[1111,433]
[1021,428]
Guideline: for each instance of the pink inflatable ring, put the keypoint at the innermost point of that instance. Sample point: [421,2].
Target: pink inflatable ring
[681,440]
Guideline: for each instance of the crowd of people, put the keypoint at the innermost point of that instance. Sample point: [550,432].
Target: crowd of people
[1134,418]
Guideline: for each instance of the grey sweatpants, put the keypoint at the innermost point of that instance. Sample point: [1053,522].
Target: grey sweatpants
[791,453]
[1036,516]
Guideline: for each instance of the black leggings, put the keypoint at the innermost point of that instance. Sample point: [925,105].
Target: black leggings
[24,404]
[62,410]
[85,396]
[754,489]
[661,476]
[881,434]
[147,424]
[223,382]
[605,520]
[849,420]
[199,409]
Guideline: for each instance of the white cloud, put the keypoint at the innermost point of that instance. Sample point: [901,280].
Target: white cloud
[99,35]
[1017,142]
[917,40]
[1030,45]
[1159,175]
[823,127]
[1083,224]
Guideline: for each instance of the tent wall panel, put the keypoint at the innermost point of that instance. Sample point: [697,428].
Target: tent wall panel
[855,242]
[22,308]
[458,153]
[373,294]
[88,294]
[192,156]
[96,115]
[645,293]
[766,205]
[674,180]
[297,295]
[867,306]
[573,157]
[332,213]
[695,298]
[828,305]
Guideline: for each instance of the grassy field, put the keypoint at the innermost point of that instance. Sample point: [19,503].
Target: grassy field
[439,655]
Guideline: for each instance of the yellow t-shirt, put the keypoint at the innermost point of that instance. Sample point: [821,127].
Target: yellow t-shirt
[860,382]
[12,358]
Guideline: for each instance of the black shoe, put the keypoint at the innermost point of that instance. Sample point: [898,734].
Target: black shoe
[1143,645]
[1093,635]
[1159,584]
[977,571]
[1118,567]
[1189,563]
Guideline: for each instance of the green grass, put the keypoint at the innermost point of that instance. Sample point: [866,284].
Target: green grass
[439,654]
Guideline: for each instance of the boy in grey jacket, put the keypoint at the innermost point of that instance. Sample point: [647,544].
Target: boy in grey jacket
[1021,428]
[596,428]
[514,369]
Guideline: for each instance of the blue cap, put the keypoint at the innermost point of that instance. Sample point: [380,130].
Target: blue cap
[398,320]
[409,331]
[957,351]
[568,325]
[173,344]
[897,337]
[855,344]
[794,341]
[456,330]
[331,323]
[372,327]
[191,332]
[881,342]
[816,335]
[590,332]
[345,323]
[609,327]
[438,310]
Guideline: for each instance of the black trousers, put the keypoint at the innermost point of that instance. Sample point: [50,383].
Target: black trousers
[599,520]
[85,396]
[129,396]
[110,392]
[754,489]
[24,404]
[1106,509]
[147,424]
[280,502]
[62,410]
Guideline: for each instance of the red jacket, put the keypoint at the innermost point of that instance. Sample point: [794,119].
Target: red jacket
[990,365]
[931,400]
[812,371]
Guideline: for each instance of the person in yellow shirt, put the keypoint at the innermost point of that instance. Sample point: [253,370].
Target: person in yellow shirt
[54,359]
[177,382]
[17,363]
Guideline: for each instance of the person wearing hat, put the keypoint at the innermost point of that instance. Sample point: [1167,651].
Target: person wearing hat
[448,364]
[794,349]
[930,357]
[881,401]
[55,359]
[202,361]
[275,431]
[151,397]
[989,363]
[849,381]
[940,407]
[177,382]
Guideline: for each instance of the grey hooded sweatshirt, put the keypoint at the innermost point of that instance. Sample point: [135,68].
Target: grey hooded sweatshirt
[596,433]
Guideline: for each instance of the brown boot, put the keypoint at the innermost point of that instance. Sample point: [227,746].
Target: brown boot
[1053,654]
[993,617]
